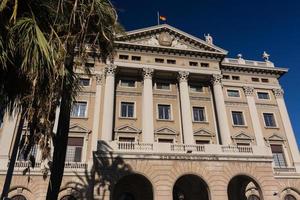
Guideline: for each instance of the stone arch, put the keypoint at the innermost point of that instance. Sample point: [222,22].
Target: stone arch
[191,186]
[22,191]
[242,187]
[68,191]
[290,191]
[132,186]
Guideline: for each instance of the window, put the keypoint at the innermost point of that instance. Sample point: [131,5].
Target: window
[204,64]
[127,83]
[79,109]
[169,61]
[238,118]
[84,81]
[255,79]
[164,112]
[196,88]
[263,95]
[33,151]
[265,80]
[202,142]
[18,197]
[289,197]
[159,60]
[278,156]
[136,58]
[253,197]
[74,149]
[269,120]
[242,144]
[236,78]
[123,57]
[126,139]
[163,86]
[127,109]
[233,93]
[163,140]
[226,77]
[194,64]
[89,65]
[198,114]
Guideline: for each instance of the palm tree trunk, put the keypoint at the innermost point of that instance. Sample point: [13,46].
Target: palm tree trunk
[13,157]
[61,138]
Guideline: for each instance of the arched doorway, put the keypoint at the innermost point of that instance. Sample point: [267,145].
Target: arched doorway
[18,197]
[68,197]
[133,187]
[190,187]
[243,187]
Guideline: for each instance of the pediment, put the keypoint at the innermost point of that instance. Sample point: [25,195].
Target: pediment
[76,128]
[165,131]
[166,36]
[127,129]
[203,132]
[242,136]
[275,137]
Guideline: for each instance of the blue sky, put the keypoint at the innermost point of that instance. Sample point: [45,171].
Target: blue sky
[239,26]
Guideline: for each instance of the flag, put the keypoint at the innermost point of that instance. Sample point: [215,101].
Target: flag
[162,18]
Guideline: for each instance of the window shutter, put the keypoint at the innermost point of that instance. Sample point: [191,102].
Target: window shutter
[78,151]
[276,148]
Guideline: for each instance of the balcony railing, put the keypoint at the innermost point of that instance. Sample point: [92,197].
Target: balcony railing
[68,165]
[284,169]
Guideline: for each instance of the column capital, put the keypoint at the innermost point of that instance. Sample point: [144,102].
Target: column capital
[278,92]
[183,76]
[248,90]
[99,79]
[110,70]
[148,73]
[216,79]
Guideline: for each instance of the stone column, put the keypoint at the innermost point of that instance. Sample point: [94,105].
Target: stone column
[221,109]
[249,91]
[287,127]
[147,110]
[108,105]
[185,108]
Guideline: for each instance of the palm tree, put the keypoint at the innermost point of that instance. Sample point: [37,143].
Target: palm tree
[41,59]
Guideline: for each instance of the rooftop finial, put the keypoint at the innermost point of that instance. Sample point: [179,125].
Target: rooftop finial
[208,38]
[240,56]
[266,56]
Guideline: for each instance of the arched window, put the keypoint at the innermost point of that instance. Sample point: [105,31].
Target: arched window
[68,197]
[289,197]
[253,197]
[18,197]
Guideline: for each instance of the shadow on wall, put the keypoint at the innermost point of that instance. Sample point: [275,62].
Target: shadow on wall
[107,169]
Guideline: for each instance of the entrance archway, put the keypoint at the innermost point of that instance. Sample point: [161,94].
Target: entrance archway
[243,187]
[190,187]
[133,187]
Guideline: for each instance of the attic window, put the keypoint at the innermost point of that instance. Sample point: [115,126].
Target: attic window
[265,80]
[255,79]
[236,78]
[169,61]
[226,77]
[123,57]
[204,64]
[159,60]
[194,64]
[136,58]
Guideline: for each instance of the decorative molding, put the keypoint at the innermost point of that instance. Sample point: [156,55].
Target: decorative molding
[110,70]
[183,76]
[231,103]
[203,132]
[127,129]
[278,92]
[242,136]
[165,96]
[264,105]
[276,137]
[100,79]
[248,90]
[216,79]
[76,128]
[165,131]
[128,93]
[148,73]
[201,98]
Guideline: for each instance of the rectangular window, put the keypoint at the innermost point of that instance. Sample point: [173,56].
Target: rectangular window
[204,64]
[89,65]
[162,86]
[265,80]
[263,95]
[79,109]
[233,93]
[136,58]
[196,88]
[194,64]
[278,155]
[255,79]
[173,62]
[33,151]
[126,139]
[123,57]
[127,109]
[238,118]
[227,77]
[74,149]
[236,78]
[127,83]
[84,81]
[159,60]
[198,114]
[269,120]
[164,112]
[163,140]
[202,142]
[242,144]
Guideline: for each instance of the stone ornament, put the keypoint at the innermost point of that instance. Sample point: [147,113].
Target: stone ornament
[278,92]
[148,73]
[110,70]
[99,79]
[249,91]
[216,79]
[165,39]
[183,76]
[266,56]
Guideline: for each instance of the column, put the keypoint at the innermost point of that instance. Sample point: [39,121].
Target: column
[249,91]
[287,127]
[221,109]
[187,124]
[108,105]
[147,110]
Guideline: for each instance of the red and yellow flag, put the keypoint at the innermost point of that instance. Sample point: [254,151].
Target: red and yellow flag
[162,18]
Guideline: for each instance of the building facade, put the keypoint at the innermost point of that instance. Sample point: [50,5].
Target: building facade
[172,118]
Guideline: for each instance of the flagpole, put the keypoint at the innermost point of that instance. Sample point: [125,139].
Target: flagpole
[157,17]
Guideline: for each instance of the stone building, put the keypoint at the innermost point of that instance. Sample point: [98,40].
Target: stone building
[172,118]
